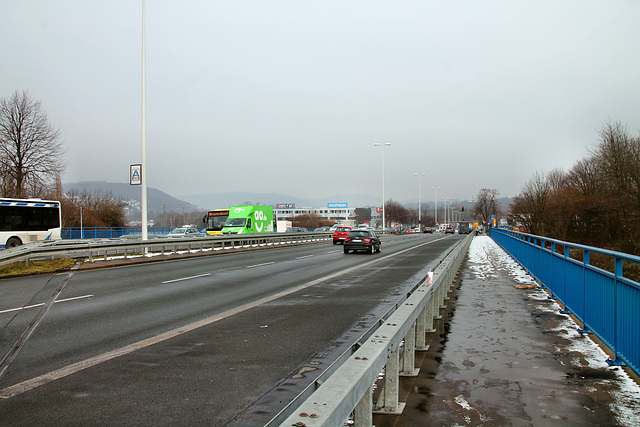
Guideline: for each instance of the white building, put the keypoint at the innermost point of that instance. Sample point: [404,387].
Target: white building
[338,213]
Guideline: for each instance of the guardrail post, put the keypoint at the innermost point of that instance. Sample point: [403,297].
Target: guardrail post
[421,331]
[436,304]
[409,355]
[442,292]
[431,313]
[388,401]
[363,412]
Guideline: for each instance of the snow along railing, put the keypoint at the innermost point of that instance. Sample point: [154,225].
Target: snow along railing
[348,391]
[607,303]
[129,247]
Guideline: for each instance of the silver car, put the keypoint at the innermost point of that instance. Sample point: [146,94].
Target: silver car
[184,232]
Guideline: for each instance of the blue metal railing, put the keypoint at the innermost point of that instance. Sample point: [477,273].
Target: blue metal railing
[109,232]
[607,303]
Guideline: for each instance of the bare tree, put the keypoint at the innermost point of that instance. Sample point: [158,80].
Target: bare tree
[531,207]
[618,158]
[596,203]
[31,151]
[98,210]
[486,204]
[310,221]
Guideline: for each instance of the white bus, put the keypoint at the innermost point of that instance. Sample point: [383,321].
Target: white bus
[28,220]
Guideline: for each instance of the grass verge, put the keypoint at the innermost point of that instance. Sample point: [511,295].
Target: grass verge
[37,267]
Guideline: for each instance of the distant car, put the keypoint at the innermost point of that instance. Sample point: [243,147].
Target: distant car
[450,229]
[428,230]
[322,229]
[184,232]
[340,234]
[362,240]
[296,230]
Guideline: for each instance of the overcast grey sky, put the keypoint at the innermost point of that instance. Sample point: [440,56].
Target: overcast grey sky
[290,96]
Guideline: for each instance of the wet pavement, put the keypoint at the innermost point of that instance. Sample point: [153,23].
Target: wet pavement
[504,356]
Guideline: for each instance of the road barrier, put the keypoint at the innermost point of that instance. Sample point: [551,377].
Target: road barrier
[607,303]
[347,390]
[133,246]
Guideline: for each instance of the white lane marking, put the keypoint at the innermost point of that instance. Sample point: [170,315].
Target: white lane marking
[41,304]
[65,371]
[306,256]
[260,265]
[186,278]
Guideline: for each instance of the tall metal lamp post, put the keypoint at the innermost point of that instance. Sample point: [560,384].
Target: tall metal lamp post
[143,198]
[446,214]
[383,213]
[419,201]
[436,208]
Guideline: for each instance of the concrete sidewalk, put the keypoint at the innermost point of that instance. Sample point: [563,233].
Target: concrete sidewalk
[504,356]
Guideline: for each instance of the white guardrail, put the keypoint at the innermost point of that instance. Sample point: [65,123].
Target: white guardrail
[129,247]
[348,391]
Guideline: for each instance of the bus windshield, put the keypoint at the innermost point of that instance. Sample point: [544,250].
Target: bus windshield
[215,220]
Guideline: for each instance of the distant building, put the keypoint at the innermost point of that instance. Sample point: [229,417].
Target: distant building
[341,215]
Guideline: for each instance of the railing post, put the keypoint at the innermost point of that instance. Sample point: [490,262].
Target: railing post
[363,412]
[389,395]
[421,330]
[585,262]
[430,315]
[618,272]
[409,354]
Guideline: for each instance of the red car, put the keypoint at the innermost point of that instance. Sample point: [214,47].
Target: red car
[340,234]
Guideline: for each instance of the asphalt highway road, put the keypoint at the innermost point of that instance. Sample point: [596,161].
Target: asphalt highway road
[187,342]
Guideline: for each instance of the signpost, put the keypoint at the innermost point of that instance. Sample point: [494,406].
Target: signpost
[135,175]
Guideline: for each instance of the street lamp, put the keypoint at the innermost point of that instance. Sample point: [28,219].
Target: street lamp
[446,214]
[419,205]
[383,216]
[143,195]
[436,203]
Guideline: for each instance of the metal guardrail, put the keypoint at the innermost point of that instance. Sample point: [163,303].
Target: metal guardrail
[607,304]
[347,390]
[130,246]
